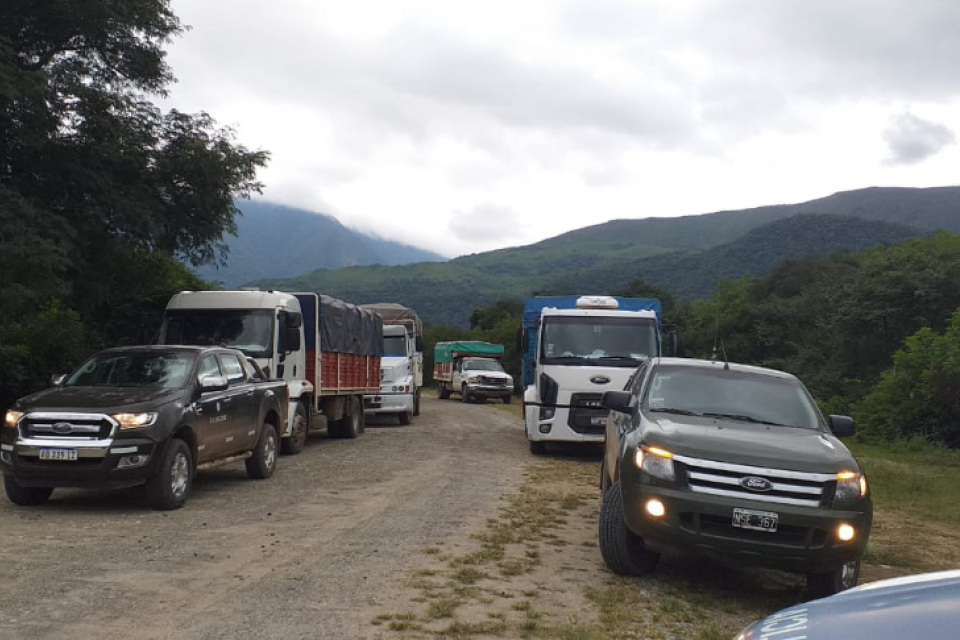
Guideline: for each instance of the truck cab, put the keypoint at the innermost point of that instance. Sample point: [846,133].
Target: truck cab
[574,350]
[401,375]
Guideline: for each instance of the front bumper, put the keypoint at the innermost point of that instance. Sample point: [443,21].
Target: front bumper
[557,428]
[805,540]
[488,391]
[94,468]
[388,403]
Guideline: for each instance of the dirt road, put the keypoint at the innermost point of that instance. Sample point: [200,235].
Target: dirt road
[309,553]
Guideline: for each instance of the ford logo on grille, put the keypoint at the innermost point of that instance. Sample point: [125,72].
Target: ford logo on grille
[754,483]
[62,428]
[600,380]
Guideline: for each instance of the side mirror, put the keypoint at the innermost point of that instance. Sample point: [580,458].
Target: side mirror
[419,344]
[294,320]
[209,384]
[619,401]
[842,426]
[57,379]
[291,338]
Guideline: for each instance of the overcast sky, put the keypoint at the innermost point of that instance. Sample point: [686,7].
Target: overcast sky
[466,126]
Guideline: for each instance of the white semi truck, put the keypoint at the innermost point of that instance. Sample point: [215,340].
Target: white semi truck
[327,351]
[574,349]
[401,377]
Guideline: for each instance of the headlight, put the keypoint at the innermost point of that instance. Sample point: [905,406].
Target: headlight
[12,418]
[135,420]
[655,462]
[473,380]
[851,486]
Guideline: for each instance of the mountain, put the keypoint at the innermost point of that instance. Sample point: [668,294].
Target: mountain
[274,241]
[690,275]
[686,255]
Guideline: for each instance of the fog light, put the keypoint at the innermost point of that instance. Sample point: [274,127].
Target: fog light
[545,428]
[846,533]
[129,462]
[655,508]
[6,457]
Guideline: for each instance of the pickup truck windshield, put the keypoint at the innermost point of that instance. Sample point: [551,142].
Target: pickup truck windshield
[482,365]
[731,395]
[596,340]
[249,331]
[394,346]
[145,369]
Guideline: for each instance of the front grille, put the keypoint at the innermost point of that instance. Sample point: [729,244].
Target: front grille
[494,382]
[66,426]
[587,416]
[786,487]
[722,527]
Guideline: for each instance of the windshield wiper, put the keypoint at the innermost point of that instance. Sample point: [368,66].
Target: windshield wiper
[744,418]
[631,359]
[679,412]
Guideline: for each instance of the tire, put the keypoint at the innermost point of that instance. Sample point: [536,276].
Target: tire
[507,399]
[349,424]
[442,392]
[295,443]
[416,403]
[263,463]
[171,486]
[537,447]
[404,417]
[464,394]
[25,496]
[604,478]
[622,550]
[821,585]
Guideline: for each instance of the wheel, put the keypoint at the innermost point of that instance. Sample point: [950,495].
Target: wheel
[416,403]
[349,424]
[263,462]
[507,399]
[821,585]
[404,417]
[294,444]
[170,488]
[442,392]
[537,447]
[363,420]
[464,394]
[25,496]
[622,550]
[604,478]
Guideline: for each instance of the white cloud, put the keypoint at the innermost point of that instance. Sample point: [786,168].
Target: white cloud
[912,139]
[397,116]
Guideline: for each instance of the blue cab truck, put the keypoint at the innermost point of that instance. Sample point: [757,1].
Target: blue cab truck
[574,348]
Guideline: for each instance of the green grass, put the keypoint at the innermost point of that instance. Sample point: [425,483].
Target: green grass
[921,480]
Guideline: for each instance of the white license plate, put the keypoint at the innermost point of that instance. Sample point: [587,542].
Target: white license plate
[58,454]
[598,422]
[755,520]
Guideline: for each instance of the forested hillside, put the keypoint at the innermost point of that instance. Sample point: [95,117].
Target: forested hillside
[447,293]
[274,241]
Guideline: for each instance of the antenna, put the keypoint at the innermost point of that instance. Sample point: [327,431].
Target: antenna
[726,363]
[716,333]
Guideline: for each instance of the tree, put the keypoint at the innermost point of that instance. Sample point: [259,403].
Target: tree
[100,192]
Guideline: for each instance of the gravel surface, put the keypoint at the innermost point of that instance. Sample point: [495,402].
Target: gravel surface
[310,553]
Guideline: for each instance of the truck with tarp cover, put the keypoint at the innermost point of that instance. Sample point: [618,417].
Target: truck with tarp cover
[328,351]
[472,369]
[401,368]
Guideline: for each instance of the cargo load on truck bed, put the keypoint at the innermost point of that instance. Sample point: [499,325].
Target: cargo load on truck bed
[350,344]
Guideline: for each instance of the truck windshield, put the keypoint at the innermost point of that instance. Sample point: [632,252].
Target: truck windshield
[482,365]
[395,346]
[731,395]
[138,369]
[248,331]
[593,340]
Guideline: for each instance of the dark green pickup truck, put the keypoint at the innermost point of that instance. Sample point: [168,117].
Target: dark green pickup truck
[734,462]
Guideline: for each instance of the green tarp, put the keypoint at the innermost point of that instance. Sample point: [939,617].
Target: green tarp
[444,350]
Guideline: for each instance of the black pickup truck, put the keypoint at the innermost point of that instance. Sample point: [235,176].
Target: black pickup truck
[150,416]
